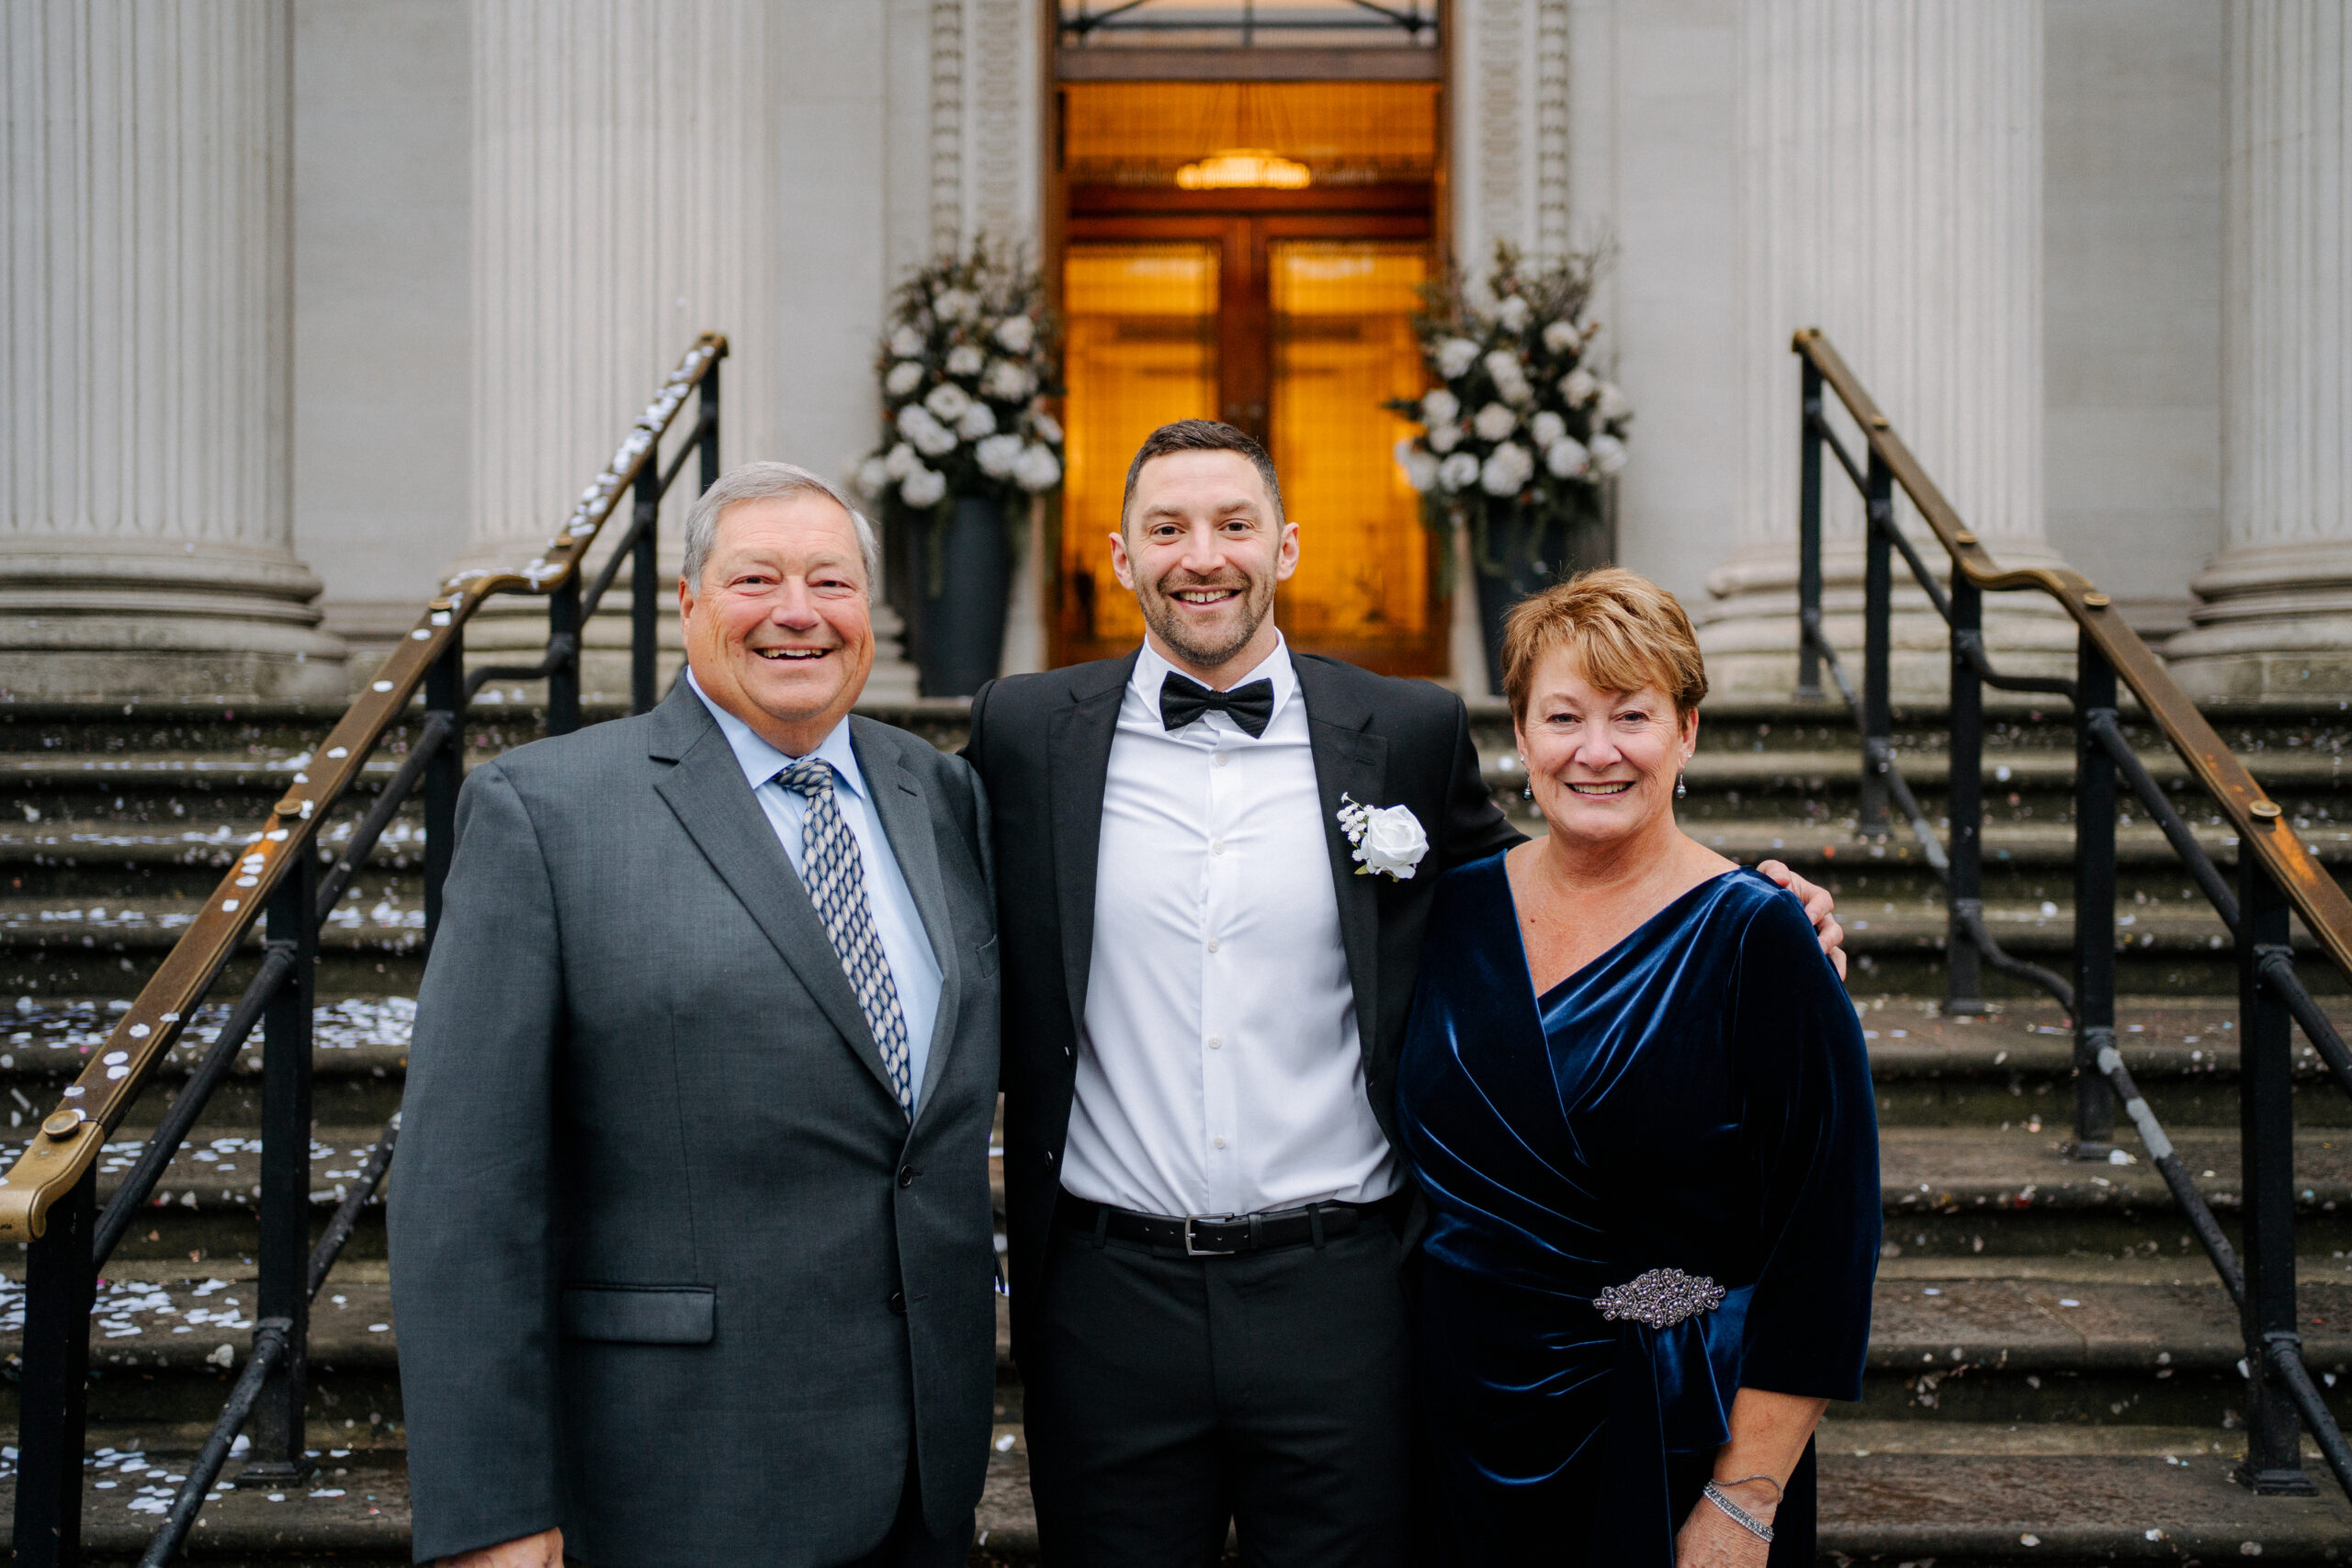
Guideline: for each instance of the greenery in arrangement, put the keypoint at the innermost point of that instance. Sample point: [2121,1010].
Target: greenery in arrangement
[969,360]
[1518,417]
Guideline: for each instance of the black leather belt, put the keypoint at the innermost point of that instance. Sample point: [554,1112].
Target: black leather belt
[1221,1236]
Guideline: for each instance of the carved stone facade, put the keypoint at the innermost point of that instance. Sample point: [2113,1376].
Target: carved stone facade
[1510,128]
[984,123]
[778,164]
[946,125]
[144,447]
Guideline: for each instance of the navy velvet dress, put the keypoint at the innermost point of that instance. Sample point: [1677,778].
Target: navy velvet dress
[1697,1099]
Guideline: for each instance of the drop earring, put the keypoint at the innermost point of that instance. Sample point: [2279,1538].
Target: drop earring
[1680,789]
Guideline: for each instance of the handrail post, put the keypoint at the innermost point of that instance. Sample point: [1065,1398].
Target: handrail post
[1809,536]
[444,692]
[1878,612]
[563,681]
[53,1408]
[645,592]
[284,1250]
[2274,1456]
[1964,972]
[2094,902]
[707,410]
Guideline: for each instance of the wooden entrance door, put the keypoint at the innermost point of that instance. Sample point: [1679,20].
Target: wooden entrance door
[1293,325]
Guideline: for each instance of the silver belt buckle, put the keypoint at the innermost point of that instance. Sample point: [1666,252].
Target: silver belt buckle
[1194,1250]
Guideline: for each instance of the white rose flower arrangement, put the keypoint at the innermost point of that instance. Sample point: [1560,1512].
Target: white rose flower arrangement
[965,369]
[1520,418]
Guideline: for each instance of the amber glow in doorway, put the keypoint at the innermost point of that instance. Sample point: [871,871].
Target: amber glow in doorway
[1343,343]
[1141,351]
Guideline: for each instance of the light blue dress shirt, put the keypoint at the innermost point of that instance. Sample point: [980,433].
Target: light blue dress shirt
[914,969]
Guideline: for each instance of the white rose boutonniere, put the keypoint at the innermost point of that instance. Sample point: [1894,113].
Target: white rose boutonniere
[1388,839]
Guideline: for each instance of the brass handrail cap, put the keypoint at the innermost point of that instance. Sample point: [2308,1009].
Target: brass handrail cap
[2265,811]
[290,807]
[2097,600]
[1963,536]
[63,1124]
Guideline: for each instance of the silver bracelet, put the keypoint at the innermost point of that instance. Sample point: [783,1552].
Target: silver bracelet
[1738,1515]
[1778,1495]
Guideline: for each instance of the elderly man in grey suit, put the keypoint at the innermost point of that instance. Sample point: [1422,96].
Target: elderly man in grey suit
[691,1236]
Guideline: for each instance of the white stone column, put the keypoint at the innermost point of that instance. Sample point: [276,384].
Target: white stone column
[146,549]
[2277,616]
[1889,194]
[623,200]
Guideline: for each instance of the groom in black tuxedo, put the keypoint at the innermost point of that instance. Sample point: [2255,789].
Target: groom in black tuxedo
[1208,954]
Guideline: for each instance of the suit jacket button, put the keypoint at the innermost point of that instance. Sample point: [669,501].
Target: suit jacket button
[906,1176]
[898,1303]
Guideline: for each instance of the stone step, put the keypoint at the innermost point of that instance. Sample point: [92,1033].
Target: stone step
[393,921]
[2189,1041]
[151,781]
[2128,1335]
[93,849]
[1956,1510]
[204,1203]
[2047,768]
[83,944]
[2018,1174]
[2008,845]
[2007,1190]
[91,843]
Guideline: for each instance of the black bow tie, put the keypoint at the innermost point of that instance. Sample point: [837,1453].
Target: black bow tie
[1183,699]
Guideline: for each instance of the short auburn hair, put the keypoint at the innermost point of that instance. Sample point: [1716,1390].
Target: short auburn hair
[1201,435]
[1623,631]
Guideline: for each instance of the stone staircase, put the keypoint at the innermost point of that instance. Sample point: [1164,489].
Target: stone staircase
[2054,1372]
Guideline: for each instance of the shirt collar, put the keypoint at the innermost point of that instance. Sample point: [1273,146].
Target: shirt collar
[761,762]
[1152,669]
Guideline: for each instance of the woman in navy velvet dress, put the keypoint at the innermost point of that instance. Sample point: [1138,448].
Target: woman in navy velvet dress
[1636,1094]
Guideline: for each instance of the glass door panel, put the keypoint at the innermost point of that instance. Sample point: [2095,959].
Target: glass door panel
[1141,350]
[1343,343]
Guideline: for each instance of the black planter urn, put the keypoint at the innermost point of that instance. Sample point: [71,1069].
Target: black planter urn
[963,565]
[1523,553]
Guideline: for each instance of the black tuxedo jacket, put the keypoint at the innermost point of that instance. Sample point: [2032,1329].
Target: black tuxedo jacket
[1042,744]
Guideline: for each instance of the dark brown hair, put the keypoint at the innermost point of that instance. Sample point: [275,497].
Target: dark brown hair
[1623,631]
[1200,436]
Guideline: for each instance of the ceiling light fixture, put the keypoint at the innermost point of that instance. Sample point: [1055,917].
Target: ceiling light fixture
[1244,168]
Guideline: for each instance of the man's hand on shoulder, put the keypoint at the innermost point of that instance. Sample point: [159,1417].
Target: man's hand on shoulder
[544,1549]
[1818,906]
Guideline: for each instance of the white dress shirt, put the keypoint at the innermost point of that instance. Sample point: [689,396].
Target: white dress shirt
[914,970]
[1219,1070]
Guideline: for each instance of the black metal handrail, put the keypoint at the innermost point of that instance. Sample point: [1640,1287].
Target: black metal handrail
[49,1198]
[2275,871]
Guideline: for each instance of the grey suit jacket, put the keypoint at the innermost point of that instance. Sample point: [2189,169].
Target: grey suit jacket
[671,1270]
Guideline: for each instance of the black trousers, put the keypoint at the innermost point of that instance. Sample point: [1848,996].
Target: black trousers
[1174,1396]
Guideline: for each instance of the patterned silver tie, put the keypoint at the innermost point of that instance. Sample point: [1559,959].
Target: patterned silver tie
[835,874]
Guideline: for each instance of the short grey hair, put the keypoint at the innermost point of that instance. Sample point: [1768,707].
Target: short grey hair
[763,481]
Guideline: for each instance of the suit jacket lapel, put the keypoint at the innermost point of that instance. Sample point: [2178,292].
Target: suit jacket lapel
[707,791]
[905,814]
[1349,761]
[1079,770]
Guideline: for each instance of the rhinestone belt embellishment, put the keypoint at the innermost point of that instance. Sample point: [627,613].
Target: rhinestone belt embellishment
[1661,1298]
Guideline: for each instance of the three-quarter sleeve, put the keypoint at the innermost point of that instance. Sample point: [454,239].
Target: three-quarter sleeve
[1811,1120]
